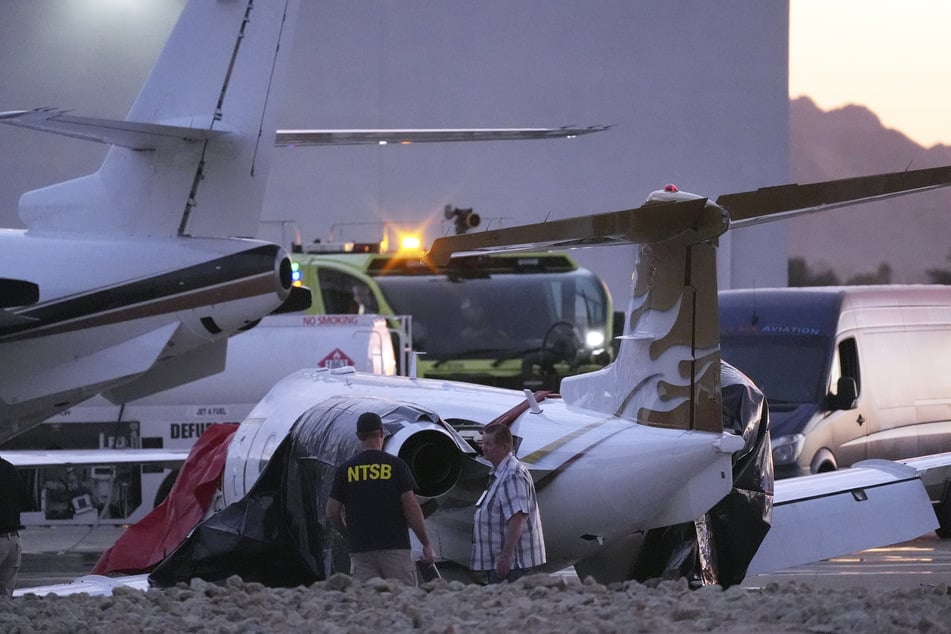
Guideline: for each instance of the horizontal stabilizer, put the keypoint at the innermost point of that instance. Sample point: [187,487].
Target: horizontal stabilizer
[876,503]
[786,201]
[648,223]
[298,138]
[129,134]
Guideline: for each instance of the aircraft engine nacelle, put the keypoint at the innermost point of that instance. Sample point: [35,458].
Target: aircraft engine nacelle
[255,283]
[326,435]
[432,454]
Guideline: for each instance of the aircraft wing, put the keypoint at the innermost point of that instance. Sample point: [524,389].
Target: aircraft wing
[873,503]
[93,585]
[147,136]
[61,457]
[647,223]
[934,471]
[49,369]
[295,138]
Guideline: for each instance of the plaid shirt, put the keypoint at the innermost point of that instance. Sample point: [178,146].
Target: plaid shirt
[510,490]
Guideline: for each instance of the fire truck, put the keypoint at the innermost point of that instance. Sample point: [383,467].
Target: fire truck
[521,321]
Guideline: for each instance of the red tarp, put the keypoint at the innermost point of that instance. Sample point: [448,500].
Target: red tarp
[147,542]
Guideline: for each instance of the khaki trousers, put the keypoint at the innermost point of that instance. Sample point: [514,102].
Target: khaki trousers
[391,563]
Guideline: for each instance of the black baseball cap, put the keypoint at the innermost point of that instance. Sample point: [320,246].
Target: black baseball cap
[369,422]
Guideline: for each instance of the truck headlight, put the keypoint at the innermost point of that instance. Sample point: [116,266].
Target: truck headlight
[594,338]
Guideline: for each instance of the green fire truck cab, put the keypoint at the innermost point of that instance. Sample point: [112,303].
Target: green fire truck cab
[510,320]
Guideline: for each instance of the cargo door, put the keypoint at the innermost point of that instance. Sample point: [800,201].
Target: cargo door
[888,403]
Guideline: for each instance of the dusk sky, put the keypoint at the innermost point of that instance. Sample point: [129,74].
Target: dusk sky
[892,57]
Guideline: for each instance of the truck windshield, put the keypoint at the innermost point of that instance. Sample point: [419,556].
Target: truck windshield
[789,370]
[499,316]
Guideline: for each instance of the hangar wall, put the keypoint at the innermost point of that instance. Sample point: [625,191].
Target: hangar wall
[696,91]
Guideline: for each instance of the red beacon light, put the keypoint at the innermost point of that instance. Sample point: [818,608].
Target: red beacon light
[670,187]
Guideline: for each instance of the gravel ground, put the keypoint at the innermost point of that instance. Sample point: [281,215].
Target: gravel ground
[540,603]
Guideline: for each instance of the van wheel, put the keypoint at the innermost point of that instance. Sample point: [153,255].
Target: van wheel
[823,462]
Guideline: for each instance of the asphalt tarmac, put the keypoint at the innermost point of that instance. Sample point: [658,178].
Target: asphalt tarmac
[62,553]
[59,554]
[925,561]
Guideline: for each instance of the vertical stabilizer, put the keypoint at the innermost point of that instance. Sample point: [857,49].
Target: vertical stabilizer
[667,372]
[223,69]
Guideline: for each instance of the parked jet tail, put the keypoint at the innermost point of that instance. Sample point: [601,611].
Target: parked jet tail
[197,150]
[163,282]
[667,372]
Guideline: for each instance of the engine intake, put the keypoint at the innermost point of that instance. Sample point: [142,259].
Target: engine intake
[434,459]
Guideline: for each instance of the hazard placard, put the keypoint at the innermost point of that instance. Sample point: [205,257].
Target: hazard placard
[336,359]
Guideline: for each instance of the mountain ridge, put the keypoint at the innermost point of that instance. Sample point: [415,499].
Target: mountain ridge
[910,234]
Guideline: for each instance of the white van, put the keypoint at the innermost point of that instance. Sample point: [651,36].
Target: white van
[849,373]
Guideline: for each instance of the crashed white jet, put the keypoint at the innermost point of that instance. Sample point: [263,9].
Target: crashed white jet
[666,449]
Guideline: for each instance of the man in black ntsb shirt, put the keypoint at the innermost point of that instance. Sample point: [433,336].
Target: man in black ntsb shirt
[372,502]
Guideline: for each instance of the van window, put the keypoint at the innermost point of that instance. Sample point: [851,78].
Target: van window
[787,368]
[845,362]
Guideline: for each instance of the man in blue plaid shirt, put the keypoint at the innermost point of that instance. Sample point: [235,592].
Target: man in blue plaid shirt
[507,539]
